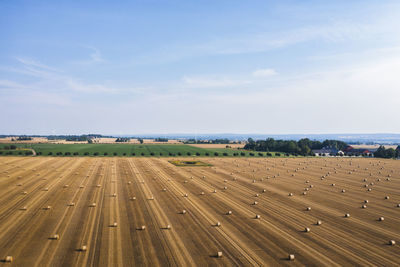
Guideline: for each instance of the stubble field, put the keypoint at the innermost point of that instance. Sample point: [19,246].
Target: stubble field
[147,212]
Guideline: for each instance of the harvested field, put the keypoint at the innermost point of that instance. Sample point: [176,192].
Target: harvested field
[146,211]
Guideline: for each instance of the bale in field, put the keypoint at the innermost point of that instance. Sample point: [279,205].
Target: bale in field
[258,216]
[183,212]
[392,242]
[93,205]
[290,194]
[319,223]
[83,248]
[132,198]
[381,219]
[291,257]
[55,237]
[308,208]
[307,230]
[229,212]
[8,259]
[347,215]
[386,197]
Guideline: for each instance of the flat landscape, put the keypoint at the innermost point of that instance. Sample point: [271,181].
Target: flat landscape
[120,211]
[127,149]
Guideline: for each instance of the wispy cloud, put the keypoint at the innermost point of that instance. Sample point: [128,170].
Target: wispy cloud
[264,73]
[211,82]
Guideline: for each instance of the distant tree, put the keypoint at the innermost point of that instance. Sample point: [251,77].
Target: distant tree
[76,153]
[29,152]
[207,154]
[20,153]
[13,147]
[142,154]
[197,154]
[59,153]
[161,153]
[169,154]
[278,154]
[140,140]
[50,153]
[152,153]
[179,154]
[86,153]
[260,154]
[225,154]
[115,153]
[188,153]
[235,154]
[251,154]
[242,154]
[1,152]
[216,154]
[6,147]
[105,153]
[133,154]
[67,153]
[96,153]
[269,154]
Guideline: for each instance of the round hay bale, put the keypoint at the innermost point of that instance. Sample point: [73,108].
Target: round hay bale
[369,189]
[55,237]
[291,257]
[304,193]
[386,197]
[255,203]
[8,259]
[347,215]
[392,242]
[66,186]
[164,189]
[225,187]
[71,204]
[307,230]
[364,206]
[83,248]
[185,195]
[332,184]
[398,205]
[215,191]
[218,224]
[24,208]
[258,216]
[143,227]
[183,211]
[319,222]
[132,198]
[264,191]
[115,224]
[219,254]
[47,208]
[93,205]
[381,219]
[202,193]
[290,194]
[343,191]
[229,212]
[308,208]
[99,185]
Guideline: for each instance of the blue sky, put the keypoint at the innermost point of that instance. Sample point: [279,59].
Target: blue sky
[72,67]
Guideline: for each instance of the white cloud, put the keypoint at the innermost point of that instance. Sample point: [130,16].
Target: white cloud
[264,73]
[210,82]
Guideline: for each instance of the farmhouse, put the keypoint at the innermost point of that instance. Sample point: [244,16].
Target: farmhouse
[327,151]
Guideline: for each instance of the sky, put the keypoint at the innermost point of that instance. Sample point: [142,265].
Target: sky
[226,66]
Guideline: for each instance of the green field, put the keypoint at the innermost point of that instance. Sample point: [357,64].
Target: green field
[131,150]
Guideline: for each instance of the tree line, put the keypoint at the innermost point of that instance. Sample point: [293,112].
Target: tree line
[302,147]
[389,153]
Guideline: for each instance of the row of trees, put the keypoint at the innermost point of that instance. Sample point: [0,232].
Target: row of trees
[301,147]
[382,152]
[214,141]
